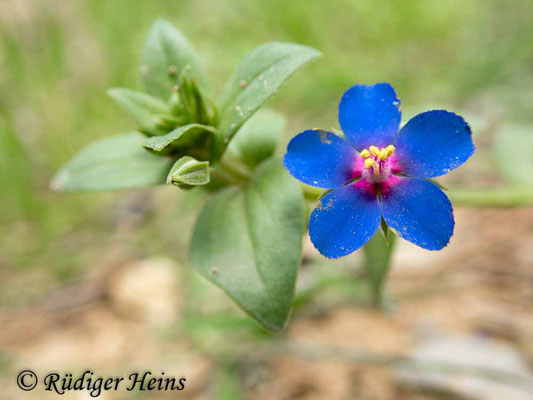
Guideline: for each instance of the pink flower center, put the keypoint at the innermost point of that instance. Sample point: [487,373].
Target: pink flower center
[377,163]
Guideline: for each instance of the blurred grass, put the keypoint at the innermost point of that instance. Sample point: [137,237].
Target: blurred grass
[58,58]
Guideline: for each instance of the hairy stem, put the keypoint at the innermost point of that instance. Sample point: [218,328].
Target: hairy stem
[235,168]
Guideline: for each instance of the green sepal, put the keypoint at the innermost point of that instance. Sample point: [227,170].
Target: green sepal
[188,171]
[440,185]
[384,230]
[193,102]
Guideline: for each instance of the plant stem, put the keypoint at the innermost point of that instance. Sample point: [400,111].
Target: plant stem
[232,171]
[225,176]
[235,168]
[507,197]
[377,254]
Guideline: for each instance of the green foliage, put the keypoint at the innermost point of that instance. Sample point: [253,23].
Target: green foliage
[258,138]
[115,162]
[190,101]
[189,172]
[247,240]
[258,77]
[166,53]
[180,137]
[143,107]
[248,237]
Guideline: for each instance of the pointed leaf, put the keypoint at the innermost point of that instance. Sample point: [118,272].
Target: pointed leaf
[187,133]
[257,139]
[189,171]
[115,162]
[258,77]
[248,241]
[166,52]
[143,107]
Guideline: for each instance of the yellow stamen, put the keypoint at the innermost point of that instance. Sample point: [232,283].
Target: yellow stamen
[383,154]
[390,149]
[374,150]
[365,153]
[369,162]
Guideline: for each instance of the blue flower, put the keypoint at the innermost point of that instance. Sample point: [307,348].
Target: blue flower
[380,172]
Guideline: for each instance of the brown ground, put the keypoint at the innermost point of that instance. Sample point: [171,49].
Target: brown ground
[126,315]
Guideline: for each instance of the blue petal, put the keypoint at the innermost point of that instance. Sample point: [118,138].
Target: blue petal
[433,143]
[321,158]
[419,212]
[344,220]
[370,115]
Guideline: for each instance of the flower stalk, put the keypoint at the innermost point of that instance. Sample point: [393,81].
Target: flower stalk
[378,253]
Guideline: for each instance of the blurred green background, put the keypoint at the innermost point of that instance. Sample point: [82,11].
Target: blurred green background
[58,58]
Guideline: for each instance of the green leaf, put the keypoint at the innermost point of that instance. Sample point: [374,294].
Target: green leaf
[189,171]
[184,134]
[513,149]
[248,241]
[166,52]
[115,162]
[258,77]
[143,107]
[257,139]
